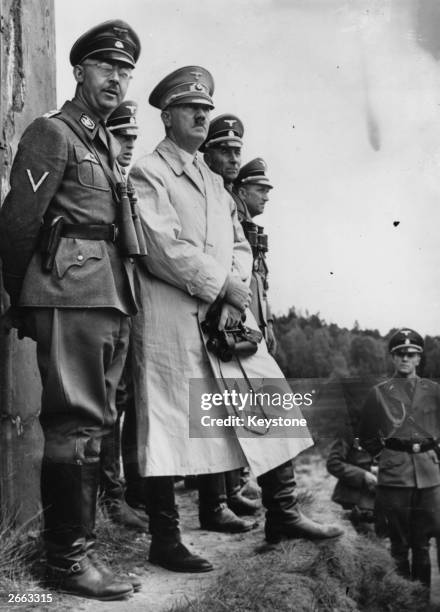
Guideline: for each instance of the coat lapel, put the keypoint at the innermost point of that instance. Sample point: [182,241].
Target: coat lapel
[170,153]
[194,175]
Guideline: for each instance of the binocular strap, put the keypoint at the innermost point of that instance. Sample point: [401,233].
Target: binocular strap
[255,430]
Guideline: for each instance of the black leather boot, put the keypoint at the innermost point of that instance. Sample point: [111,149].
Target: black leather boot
[166,547]
[284,518]
[111,485]
[68,494]
[236,500]
[421,564]
[214,513]
[190,483]
[89,516]
[132,579]
[400,554]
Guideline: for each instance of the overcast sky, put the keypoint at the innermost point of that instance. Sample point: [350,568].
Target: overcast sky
[342,100]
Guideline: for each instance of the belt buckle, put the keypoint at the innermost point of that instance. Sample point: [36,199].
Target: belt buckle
[114,229]
[416,447]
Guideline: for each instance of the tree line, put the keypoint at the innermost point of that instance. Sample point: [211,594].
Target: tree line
[308,347]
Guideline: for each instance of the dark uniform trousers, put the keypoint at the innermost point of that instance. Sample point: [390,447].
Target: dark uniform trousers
[81,355]
[412,516]
[408,492]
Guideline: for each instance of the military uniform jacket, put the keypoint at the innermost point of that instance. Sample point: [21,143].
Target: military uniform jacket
[259,306]
[348,462]
[56,173]
[390,412]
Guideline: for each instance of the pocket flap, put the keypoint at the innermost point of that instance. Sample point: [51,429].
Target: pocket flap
[76,252]
[84,155]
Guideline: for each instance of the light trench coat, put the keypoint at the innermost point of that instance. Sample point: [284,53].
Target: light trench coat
[194,241]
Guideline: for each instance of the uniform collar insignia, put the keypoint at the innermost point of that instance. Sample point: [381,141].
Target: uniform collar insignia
[87,122]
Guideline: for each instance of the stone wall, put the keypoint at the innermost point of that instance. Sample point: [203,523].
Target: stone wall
[27,72]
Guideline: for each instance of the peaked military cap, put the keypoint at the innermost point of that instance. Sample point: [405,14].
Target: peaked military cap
[224,129]
[123,119]
[406,338]
[114,40]
[188,85]
[253,172]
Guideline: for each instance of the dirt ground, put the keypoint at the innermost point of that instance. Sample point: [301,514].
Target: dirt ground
[162,590]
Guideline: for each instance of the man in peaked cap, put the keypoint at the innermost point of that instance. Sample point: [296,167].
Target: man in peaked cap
[222,153]
[70,281]
[122,124]
[222,147]
[251,188]
[197,256]
[401,424]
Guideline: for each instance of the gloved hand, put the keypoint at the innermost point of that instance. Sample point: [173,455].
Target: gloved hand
[229,317]
[237,293]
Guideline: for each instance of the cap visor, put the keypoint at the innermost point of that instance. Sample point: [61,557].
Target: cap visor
[233,141]
[192,100]
[112,55]
[413,347]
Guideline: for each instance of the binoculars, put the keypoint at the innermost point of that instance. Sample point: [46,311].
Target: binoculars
[255,236]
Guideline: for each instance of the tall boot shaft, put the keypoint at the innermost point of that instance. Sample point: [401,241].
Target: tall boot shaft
[421,565]
[284,518]
[160,505]
[68,495]
[166,547]
[278,489]
[212,492]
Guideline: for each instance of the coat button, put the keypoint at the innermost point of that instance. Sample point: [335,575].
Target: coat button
[80,257]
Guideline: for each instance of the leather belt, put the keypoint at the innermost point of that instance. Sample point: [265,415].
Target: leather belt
[89,231]
[410,446]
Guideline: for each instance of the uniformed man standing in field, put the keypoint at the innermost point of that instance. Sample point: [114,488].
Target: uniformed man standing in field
[197,256]
[70,281]
[123,126]
[401,421]
[252,186]
[222,153]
